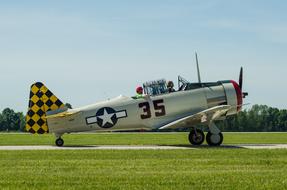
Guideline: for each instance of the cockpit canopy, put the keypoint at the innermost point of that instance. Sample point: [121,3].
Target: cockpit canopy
[156,87]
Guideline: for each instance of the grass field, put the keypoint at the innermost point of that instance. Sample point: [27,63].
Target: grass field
[143,169]
[138,139]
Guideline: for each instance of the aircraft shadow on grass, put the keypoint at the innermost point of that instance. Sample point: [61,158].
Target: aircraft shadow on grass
[241,146]
[206,146]
[176,146]
[185,146]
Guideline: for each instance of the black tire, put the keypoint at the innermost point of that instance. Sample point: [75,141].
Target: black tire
[59,142]
[214,140]
[196,137]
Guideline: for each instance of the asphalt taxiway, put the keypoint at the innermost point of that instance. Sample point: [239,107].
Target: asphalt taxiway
[148,147]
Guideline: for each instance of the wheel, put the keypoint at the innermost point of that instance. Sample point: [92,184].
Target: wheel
[196,137]
[214,139]
[59,142]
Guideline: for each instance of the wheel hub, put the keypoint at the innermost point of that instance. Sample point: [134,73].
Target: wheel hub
[215,138]
[197,138]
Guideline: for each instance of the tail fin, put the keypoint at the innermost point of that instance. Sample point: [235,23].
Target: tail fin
[41,101]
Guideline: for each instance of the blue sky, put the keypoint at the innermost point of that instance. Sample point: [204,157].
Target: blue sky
[87,51]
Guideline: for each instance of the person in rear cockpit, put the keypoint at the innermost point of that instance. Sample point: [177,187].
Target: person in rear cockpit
[170,86]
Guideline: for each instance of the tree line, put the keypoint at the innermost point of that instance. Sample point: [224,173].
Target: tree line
[259,118]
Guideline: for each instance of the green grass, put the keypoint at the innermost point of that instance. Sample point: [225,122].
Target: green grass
[144,169]
[138,139]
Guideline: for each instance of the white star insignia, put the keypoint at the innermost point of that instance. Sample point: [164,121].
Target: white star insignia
[107,118]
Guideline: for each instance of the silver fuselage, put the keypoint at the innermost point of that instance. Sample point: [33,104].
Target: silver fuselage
[132,114]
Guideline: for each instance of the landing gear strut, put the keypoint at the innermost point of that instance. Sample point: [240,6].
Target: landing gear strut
[214,137]
[196,137]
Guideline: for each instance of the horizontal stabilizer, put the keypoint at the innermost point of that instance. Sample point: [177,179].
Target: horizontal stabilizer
[60,115]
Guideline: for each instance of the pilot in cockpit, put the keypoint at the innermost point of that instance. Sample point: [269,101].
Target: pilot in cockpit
[170,86]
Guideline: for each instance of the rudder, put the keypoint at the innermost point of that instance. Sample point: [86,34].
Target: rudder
[41,101]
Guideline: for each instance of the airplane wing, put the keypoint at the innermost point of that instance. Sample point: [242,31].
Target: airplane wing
[201,117]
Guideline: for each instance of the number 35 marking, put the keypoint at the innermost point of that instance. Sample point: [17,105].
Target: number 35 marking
[158,107]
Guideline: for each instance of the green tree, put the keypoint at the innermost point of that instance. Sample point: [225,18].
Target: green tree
[68,105]
[260,118]
[2,127]
[11,121]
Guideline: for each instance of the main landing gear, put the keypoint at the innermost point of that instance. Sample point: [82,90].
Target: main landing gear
[214,136]
[59,141]
[196,137]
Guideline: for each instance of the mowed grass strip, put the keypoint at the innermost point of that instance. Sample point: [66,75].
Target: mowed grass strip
[144,169]
[137,139]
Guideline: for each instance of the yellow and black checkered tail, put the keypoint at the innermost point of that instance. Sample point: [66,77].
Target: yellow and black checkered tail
[41,101]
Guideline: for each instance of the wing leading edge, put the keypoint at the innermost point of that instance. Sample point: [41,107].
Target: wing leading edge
[207,115]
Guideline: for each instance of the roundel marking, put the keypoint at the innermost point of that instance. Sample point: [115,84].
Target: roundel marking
[106,117]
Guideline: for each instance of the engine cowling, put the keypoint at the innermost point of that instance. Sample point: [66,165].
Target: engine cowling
[234,96]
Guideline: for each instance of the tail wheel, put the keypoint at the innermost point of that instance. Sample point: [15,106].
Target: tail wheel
[214,139]
[59,142]
[196,137]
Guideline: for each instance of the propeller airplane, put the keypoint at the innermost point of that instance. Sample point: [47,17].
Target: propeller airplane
[159,109]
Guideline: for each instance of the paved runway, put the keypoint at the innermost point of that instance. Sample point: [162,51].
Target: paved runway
[135,147]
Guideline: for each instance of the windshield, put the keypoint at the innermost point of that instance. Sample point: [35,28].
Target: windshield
[154,88]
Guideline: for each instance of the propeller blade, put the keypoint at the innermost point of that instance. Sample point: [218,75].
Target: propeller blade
[198,71]
[241,78]
[241,82]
